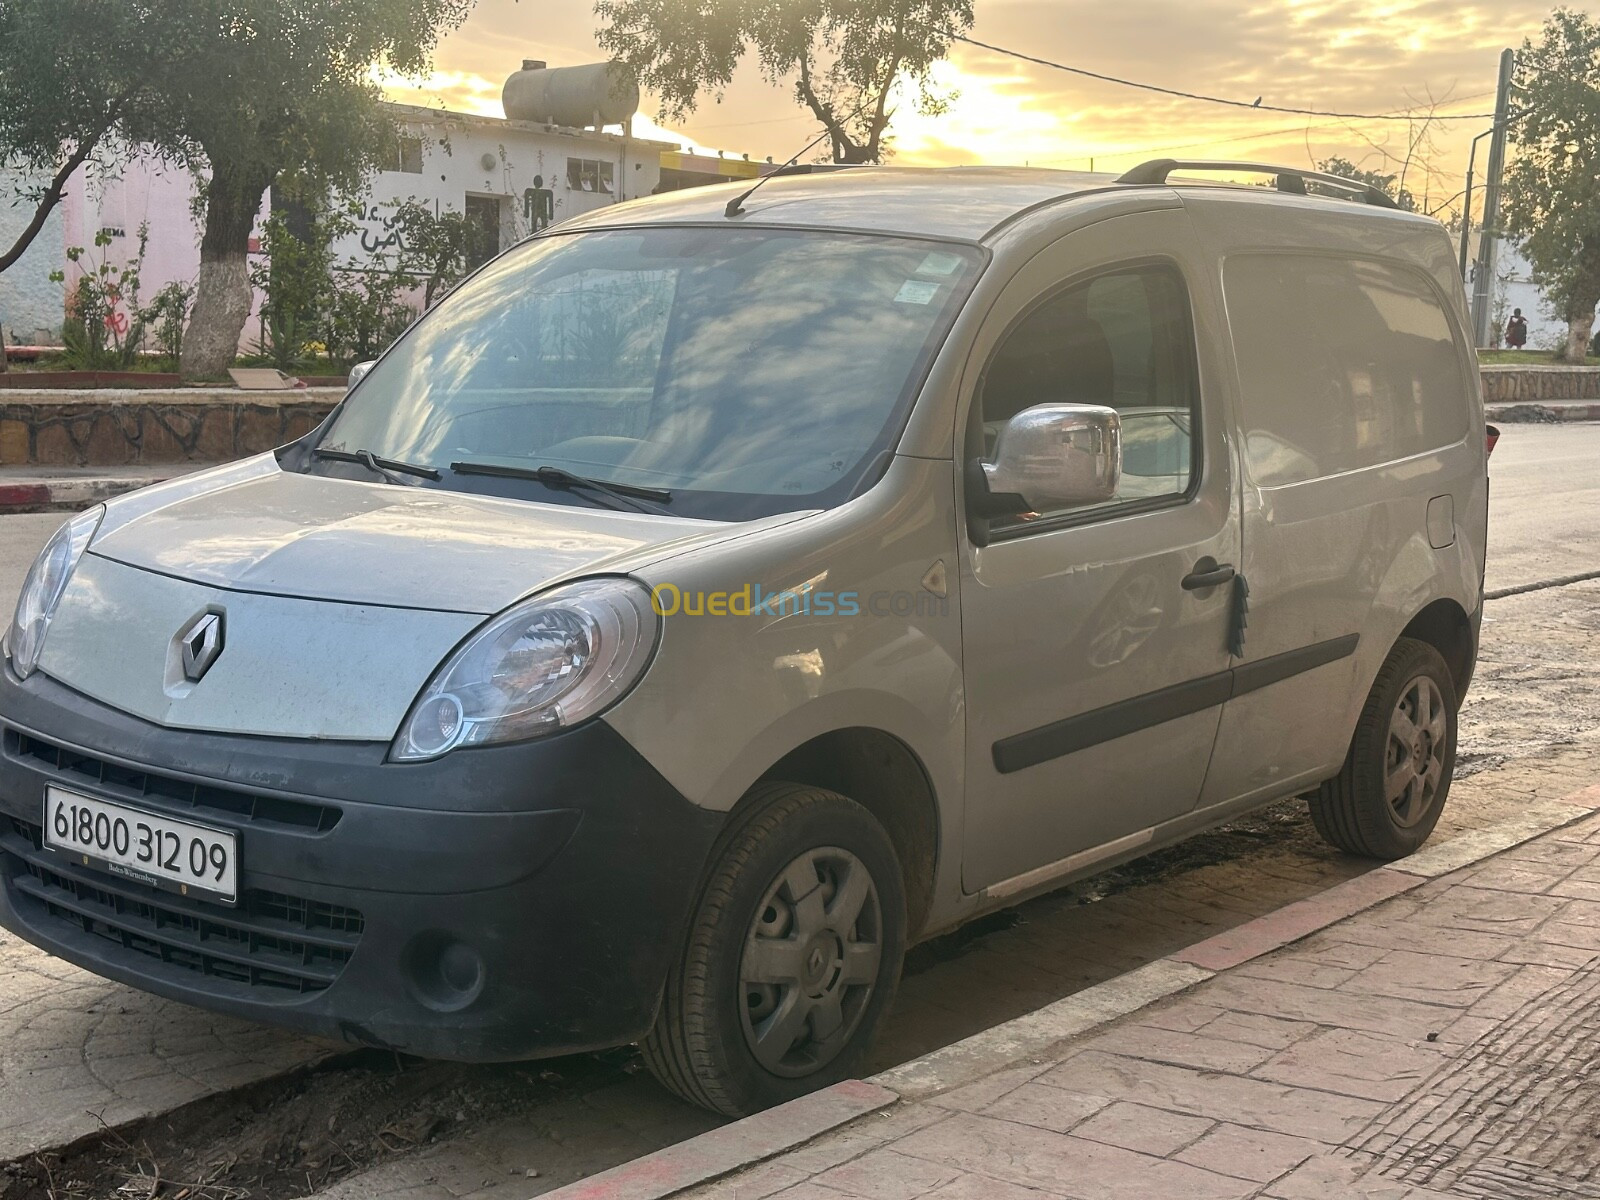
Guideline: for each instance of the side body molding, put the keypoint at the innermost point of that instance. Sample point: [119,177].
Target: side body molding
[1060,738]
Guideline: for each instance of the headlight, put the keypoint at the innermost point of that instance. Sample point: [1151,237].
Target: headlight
[548,663]
[42,589]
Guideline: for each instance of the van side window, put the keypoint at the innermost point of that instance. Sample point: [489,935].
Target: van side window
[1124,340]
[1343,364]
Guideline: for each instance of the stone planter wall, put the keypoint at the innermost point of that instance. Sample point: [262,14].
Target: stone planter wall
[1532,385]
[111,429]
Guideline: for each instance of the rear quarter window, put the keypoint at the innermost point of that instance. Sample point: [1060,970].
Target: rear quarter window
[1343,364]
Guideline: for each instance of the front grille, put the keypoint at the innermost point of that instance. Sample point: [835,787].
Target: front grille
[269,941]
[71,767]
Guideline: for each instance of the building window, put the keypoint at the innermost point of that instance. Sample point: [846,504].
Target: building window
[407,156]
[589,175]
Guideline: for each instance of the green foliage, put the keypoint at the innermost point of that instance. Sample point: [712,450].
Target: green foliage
[435,248]
[368,313]
[295,276]
[1552,186]
[104,325]
[263,86]
[166,316]
[842,57]
[313,303]
[1387,184]
[268,90]
[72,76]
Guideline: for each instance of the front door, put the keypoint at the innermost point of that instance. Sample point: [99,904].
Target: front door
[1095,666]
[483,226]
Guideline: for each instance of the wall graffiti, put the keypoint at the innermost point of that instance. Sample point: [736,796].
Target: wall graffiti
[380,232]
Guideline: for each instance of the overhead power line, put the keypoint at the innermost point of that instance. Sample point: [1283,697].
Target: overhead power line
[1257,105]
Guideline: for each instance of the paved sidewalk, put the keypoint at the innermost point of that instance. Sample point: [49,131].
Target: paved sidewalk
[80,1052]
[1440,1043]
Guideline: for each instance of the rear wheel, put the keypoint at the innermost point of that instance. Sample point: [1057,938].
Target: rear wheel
[1387,798]
[793,957]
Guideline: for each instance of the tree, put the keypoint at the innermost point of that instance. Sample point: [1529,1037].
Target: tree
[263,89]
[1377,179]
[1551,194]
[71,76]
[437,247]
[842,57]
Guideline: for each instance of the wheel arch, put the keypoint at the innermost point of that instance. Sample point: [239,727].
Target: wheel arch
[883,774]
[1445,626]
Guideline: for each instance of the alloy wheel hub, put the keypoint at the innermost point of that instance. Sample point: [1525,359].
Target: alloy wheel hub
[1414,763]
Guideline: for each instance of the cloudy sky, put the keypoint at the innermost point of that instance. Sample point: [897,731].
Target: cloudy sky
[1343,55]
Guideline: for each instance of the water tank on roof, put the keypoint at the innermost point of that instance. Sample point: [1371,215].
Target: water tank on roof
[573,96]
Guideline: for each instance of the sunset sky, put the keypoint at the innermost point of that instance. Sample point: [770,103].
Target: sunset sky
[1344,55]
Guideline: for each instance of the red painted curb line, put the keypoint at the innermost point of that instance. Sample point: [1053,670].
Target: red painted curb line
[733,1147]
[69,493]
[23,495]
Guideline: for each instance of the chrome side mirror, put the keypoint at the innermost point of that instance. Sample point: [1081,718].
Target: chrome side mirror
[1055,456]
[358,373]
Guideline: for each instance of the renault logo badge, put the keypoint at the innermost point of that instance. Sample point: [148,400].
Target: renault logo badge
[201,643]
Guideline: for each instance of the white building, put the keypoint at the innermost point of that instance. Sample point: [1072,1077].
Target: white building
[506,175]
[493,170]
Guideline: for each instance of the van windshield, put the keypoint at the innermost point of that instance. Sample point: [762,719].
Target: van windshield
[743,372]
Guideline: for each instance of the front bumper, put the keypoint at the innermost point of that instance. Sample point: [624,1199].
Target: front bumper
[499,903]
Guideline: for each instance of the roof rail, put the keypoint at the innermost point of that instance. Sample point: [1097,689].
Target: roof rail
[1292,180]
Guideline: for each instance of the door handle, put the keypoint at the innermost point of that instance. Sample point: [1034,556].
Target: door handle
[1207,573]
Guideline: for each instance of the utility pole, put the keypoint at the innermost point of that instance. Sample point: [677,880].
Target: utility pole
[1483,284]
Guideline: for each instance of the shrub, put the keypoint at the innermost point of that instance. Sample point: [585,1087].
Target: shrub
[104,325]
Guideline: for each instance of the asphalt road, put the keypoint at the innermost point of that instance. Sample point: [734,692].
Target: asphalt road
[1544,504]
[1544,512]
[1531,729]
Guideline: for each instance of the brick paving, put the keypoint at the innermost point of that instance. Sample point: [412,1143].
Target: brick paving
[1439,1044]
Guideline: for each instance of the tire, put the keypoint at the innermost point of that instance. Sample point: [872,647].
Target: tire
[737,1031]
[1388,796]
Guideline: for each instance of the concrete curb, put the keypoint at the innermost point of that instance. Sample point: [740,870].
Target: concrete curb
[1534,412]
[735,1146]
[743,1144]
[48,495]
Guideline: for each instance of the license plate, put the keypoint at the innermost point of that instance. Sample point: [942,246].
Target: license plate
[176,856]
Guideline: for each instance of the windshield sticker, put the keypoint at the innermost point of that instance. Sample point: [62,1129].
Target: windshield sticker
[915,291]
[940,262]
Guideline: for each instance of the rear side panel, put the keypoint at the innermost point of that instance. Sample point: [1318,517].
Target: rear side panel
[1358,405]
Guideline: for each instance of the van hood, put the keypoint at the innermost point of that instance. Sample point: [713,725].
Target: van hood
[316,583]
[252,527]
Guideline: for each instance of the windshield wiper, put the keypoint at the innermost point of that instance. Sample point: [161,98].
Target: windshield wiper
[387,467]
[623,496]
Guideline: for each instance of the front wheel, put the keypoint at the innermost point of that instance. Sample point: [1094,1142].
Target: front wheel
[1386,800]
[793,957]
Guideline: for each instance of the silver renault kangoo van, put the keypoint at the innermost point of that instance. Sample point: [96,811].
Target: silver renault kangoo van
[718,593]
